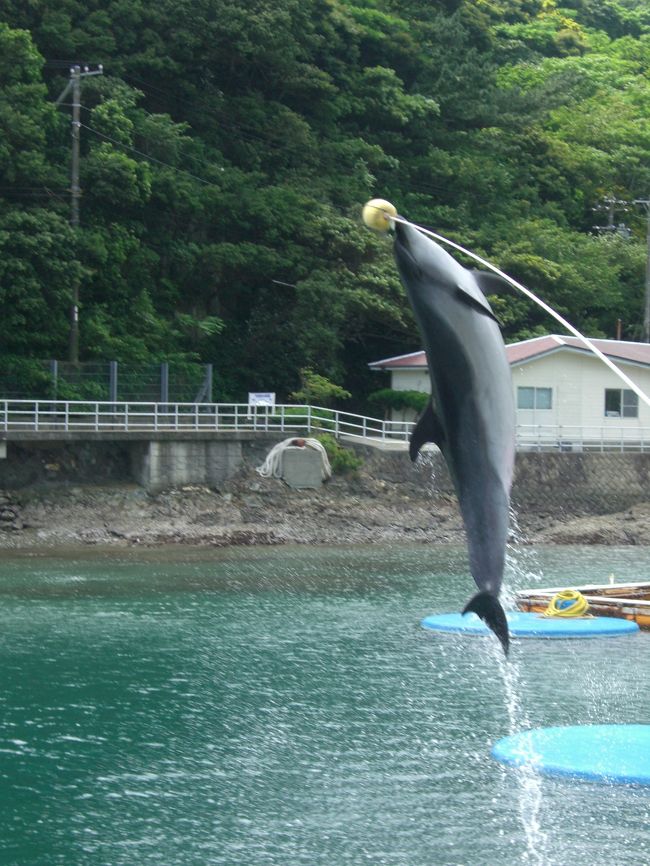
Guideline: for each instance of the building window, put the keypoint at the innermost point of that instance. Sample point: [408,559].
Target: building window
[534,398]
[621,403]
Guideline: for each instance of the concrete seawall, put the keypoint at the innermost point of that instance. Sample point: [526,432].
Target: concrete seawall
[155,464]
[589,483]
[545,481]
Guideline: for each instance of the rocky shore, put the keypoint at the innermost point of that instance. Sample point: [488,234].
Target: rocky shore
[372,505]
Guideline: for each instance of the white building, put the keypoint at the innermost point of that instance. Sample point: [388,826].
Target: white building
[563,392]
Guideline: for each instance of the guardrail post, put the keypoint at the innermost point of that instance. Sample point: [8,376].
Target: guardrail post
[36,408]
[112,381]
[164,382]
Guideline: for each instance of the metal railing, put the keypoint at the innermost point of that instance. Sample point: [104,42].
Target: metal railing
[563,437]
[66,416]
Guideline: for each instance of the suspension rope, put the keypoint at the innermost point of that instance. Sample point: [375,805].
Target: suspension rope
[533,297]
[568,603]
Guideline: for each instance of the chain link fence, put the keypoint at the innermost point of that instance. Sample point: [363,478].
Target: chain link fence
[578,485]
[106,380]
[563,484]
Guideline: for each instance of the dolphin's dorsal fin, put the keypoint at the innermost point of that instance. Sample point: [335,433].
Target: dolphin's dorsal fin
[471,294]
[427,429]
[490,283]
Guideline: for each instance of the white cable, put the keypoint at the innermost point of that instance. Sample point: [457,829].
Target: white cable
[272,466]
[631,385]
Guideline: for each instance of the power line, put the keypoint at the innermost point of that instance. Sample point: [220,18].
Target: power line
[135,150]
[147,156]
[246,132]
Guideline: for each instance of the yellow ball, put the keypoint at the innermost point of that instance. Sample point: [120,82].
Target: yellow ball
[377,214]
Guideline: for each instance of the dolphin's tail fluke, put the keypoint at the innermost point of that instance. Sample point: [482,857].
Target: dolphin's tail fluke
[488,607]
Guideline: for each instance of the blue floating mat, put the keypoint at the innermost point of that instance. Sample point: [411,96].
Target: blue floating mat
[523,624]
[603,753]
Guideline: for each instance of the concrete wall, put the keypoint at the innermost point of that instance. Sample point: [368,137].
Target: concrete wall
[159,465]
[155,465]
[30,463]
[545,482]
[581,483]
[554,482]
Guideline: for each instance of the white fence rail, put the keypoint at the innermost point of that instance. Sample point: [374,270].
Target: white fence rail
[104,417]
[609,437]
[52,416]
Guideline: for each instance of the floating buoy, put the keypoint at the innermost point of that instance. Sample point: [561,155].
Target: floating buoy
[525,625]
[377,214]
[603,753]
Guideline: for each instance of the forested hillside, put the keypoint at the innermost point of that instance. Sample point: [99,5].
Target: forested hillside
[228,147]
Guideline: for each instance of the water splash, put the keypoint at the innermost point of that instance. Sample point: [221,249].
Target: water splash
[522,569]
[529,782]
[426,459]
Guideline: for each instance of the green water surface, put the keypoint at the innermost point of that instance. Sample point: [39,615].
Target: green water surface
[280,707]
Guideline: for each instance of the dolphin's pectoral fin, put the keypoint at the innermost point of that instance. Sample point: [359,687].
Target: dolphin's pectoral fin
[427,429]
[475,298]
[488,607]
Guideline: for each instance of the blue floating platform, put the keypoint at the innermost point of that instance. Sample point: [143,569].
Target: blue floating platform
[602,753]
[523,624]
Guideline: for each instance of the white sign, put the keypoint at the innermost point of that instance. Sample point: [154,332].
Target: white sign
[261,398]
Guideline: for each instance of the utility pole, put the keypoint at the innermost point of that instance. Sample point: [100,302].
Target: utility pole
[646,312]
[611,205]
[74,85]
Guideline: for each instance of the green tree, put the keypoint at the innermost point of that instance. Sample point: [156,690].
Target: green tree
[317,390]
[36,273]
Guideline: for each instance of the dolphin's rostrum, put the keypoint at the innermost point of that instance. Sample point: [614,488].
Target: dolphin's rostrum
[471,414]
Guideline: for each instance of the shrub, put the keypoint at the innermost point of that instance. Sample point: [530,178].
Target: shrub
[317,389]
[342,460]
[387,398]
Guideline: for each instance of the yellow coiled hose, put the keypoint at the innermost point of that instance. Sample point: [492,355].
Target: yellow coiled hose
[569,602]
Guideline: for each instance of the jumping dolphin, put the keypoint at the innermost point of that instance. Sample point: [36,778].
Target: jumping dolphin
[471,415]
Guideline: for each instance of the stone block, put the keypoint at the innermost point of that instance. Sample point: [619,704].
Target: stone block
[302,468]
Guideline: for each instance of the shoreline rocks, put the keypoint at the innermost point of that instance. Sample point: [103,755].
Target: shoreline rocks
[366,508]
[10,517]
